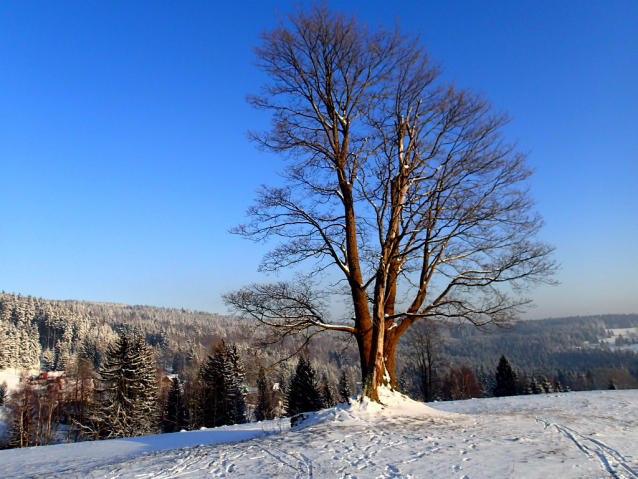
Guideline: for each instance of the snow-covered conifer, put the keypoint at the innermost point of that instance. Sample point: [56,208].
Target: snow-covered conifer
[546,386]
[535,387]
[47,360]
[129,405]
[4,391]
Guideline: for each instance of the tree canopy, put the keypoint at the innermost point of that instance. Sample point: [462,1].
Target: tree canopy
[400,183]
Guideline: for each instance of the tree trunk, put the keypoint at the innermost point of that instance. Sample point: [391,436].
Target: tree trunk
[390,347]
[376,373]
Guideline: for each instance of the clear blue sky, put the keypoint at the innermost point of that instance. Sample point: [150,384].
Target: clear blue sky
[124,161]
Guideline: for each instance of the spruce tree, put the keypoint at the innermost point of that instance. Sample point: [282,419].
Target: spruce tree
[546,386]
[535,387]
[344,387]
[265,399]
[221,399]
[303,393]
[129,405]
[4,391]
[327,395]
[506,379]
[175,417]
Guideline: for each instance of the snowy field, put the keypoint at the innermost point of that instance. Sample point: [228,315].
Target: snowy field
[627,333]
[566,435]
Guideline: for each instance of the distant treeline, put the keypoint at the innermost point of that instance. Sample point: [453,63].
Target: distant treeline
[548,345]
[50,334]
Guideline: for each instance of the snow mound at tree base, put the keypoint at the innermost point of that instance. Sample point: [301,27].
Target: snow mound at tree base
[363,411]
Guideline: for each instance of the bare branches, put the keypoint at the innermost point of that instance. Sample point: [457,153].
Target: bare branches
[402,182]
[292,307]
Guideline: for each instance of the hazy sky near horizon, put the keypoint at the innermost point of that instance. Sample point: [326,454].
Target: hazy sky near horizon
[124,160]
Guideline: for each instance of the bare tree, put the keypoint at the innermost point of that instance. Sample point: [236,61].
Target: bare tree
[423,349]
[401,183]
[461,383]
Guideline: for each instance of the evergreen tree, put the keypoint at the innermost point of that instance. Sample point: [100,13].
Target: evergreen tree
[221,393]
[534,387]
[506,379]
[546,386]
[4,391]
[266,405]
[303,393]
[328,395]
[175,417]
[129,405]
[344,387]
[19,335]
[47,360]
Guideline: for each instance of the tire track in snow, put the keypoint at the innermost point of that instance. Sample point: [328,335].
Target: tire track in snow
[611,460]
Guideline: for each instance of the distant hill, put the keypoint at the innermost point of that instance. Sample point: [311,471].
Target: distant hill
[557,346]
[62,330]
[54,332]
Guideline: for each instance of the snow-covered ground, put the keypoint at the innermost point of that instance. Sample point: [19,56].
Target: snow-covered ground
[12,379]
[566,435]
[629,334]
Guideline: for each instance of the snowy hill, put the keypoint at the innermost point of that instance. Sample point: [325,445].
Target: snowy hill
[622,338]
[590,434]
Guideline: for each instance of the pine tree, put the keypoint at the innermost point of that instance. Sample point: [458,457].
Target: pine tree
[303,394]
[221,394]
[265,397]
[129,406]
[175,417]
[344,387]
[506,379]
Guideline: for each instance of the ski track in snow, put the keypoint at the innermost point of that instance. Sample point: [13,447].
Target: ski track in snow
[610,459]
[574,435]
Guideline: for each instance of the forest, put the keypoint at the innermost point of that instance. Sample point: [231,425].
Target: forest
[197,369]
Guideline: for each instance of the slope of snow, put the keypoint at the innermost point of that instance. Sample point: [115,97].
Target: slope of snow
[628,333]
[11,378]
[568,435]
[61,458]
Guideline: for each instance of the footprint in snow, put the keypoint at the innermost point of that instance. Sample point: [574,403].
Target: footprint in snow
[393,469]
